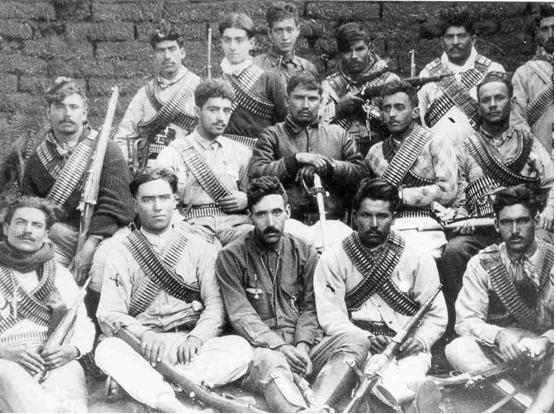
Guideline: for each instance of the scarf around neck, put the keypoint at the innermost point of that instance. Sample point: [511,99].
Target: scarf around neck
[24,262]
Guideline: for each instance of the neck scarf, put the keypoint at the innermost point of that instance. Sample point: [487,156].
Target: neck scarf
[24,262]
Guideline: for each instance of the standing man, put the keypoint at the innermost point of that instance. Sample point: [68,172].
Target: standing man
[359,68]
[283,30]
[160,285]
[211,168]
[164,101]
[299,147]
[372,283]
[534,83]
[450,106]
[35,290]
[260,95]
[495,156]
[505,310]
[266,278]
[56,170]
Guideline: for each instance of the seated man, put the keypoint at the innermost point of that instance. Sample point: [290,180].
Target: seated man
[373,283]
[266,278]
[160,285]
[34,292]
[505,308]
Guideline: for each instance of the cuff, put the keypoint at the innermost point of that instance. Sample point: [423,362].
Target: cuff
[291,164]
[423,344]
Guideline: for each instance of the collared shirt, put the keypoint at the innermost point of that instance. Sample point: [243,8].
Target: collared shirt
[285,66]
[123,276]
[228,160]
[235,69]
[415,275]
[473,302]
[269,307]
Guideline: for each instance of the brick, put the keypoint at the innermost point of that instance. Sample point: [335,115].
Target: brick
[189,30]
[103,86]
[34,85]
[132,69]
[338,11]
[197,12]
[19,64]
[127,11]
[15,29]
[83,68]
[97,110]
[36,10]
[72,9]
[101,31]
[123,50]
[8,83]
[58,47]
[21,102]
[10,47]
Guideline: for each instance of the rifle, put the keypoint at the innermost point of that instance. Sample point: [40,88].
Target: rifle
[92,178]
[317,192]
[225,404]
[413,68]
[209,51]
[471,379]
[369,92]
[451,225]
[379,362]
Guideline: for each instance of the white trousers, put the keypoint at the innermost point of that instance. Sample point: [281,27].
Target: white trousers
[465,354]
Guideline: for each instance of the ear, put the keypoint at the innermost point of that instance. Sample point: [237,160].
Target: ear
[496,225]
[473,39]
[288,211]
[5,229]
[537,219]
[252,43]
[415,112]
[197,111]
[250,216]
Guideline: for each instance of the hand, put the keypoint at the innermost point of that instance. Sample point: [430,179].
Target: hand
[296,359]
[320,162]
[307,174]
[508,344]
[547,218]
[304,348]
[237,201]
[59,356]
[83,259]
[535,347]
[379,343]
[154,346]
[466,229]
[25,356]
[410,347]
[189,349]
[349,103]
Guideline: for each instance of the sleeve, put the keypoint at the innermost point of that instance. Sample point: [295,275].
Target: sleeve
[277,95]
[243,181]
[245,320]
[472,305]
[307,324]
[27,184]
[546,167]
[128,126]
[463,182]
[518,115]
[351,169]
[329,100]
[422,95]
[265,159]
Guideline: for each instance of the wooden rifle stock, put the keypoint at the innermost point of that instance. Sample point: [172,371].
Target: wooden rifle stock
[470,379]
[379,362]
[472,222]
[194,391]
[368,93]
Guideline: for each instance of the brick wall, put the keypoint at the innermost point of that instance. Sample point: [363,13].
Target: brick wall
[105,42]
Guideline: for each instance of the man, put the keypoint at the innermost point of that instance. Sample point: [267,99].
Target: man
[259,94]
[505,310]
[495,156]
[450,106]
[56,170]
[211,169]
[359,68]
[164,101]
[373,283]
[299,147]
[160,285]
[35,291]
[534,84]
[283,30]
[266,278]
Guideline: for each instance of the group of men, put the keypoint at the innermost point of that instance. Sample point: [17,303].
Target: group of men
[193,256]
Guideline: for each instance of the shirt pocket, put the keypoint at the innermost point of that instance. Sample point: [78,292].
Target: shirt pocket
[291,295]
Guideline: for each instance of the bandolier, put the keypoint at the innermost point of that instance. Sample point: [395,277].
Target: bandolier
[456,93]
[543,101]
[242,85]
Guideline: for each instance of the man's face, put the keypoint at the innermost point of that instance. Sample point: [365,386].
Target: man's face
[398,113]
[283,35]
[516,227]
[67,117]
[236,45]
[457,43]
[155,203]
[303,104]
[214,116]
[545,33]
[169,56]
[356,59]
[269,217]
[27,231]
[494,103]
[374,219]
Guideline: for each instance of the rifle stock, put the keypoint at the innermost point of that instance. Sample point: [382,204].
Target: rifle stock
[470,379]
[368,93]
[472,222]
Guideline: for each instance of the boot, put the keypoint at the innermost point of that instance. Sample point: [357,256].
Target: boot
[336,379]
[281,393]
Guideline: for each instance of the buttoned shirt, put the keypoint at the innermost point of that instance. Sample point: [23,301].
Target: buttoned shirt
[415,275]
[123,276]
[285,66]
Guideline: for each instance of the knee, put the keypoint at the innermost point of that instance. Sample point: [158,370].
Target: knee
[9,372]
[236,347]
[355,343]
[267,360]
[109,349]
[459,349]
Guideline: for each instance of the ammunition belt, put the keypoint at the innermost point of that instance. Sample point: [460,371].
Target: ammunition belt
[155,149]
[375,328]
[256,105]
[247,141]
[159,274]
[32,337]
[204,210]
[413,180]
[540,104]
[477,202]
[413,212]
[376,275]
[406,156]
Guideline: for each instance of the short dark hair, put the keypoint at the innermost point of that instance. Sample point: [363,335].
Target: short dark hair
[151,174]
[544,11]
[497,77]
[62,88]
[237,21]
[280,10]
[304,79]
[166,31]
[41,204]
[519,194]
[262,186]
[456,17]
[350,33]
[377,189]
[213,88]
[396,86]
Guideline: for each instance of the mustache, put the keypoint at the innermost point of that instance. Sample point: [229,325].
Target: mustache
[271,230]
